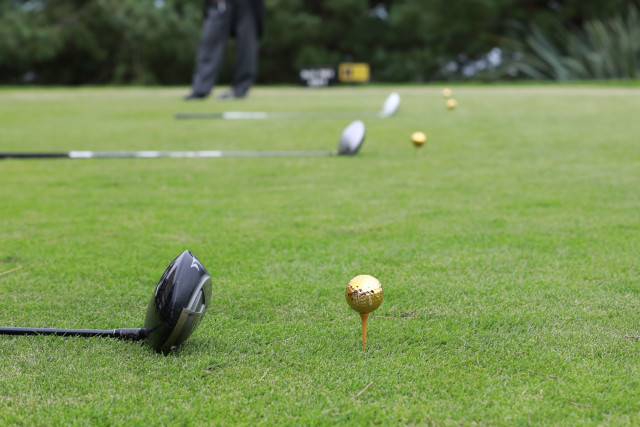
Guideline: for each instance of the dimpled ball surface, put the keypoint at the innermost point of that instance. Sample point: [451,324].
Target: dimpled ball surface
[418,138]
[364,293]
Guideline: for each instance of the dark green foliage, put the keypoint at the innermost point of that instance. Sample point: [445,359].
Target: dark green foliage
[98,41]
[154,41]
[601,49]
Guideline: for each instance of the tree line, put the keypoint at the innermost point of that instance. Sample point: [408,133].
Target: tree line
[74,42]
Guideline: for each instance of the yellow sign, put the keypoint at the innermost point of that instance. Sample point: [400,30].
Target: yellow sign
[353,72]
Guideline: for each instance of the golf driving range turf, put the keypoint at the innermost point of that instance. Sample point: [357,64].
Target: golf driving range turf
[508,249]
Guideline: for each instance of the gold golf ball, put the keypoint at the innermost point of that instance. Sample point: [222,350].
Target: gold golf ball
[451,104]
[364,293]
[446,93]
[418,138]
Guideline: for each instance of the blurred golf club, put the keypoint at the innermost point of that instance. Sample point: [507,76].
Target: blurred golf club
[350,142]
[389,108]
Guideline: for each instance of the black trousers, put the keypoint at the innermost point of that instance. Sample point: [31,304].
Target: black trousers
[221,20]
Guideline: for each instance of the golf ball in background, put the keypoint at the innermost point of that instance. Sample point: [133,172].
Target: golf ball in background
[446,92]
[364,293]
[451,104]
[418,138]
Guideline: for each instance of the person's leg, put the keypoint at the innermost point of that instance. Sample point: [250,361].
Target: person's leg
[246,66]
[213,41]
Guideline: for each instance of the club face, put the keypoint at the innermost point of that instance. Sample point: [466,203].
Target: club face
[178,304]
[390,105]
[352,138]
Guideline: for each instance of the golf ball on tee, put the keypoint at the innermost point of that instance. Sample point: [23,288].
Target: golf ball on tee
[364,293]
[418,138]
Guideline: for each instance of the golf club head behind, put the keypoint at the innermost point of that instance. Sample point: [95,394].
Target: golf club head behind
[390,105]
[352,138]
[178,304]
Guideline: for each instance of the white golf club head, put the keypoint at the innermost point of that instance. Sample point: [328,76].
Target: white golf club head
[390,105]
[352,138]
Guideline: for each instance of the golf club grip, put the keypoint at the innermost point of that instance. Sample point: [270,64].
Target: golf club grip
[198,116]
[33,155]
[124,333]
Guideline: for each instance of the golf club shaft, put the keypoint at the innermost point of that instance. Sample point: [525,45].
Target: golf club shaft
[124,333]
[257,115]
[169,154]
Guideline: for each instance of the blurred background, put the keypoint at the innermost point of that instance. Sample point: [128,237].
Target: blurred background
[153,42]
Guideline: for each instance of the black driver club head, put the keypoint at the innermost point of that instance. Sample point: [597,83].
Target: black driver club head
[178,304]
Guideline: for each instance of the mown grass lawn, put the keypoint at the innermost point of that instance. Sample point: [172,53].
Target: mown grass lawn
[508,249]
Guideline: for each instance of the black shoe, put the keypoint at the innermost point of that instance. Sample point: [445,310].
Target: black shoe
[194,96]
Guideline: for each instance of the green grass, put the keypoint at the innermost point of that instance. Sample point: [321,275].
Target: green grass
[508,250]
